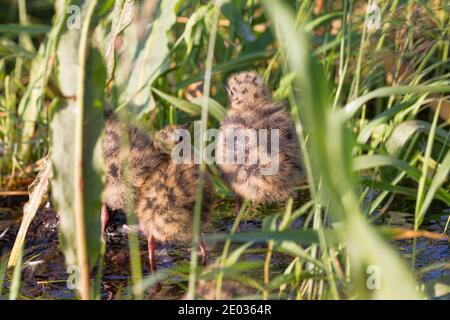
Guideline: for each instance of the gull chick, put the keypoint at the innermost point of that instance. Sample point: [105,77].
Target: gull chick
[120,192]
[166,200]
[252,107]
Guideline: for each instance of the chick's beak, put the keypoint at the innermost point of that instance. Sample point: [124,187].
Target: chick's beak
[187,125]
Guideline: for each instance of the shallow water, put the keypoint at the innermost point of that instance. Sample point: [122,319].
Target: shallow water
[45,277]
[428,251]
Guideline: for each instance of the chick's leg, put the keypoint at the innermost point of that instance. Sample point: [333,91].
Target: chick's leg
[151,241]
[104,217]
[151,252]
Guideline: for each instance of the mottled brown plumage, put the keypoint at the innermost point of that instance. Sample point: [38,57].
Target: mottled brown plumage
[161,191]
[252,107]
[166,200]
[120,188]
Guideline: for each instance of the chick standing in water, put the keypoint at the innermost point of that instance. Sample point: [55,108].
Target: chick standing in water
[166,200]
[162,191]
[252,107]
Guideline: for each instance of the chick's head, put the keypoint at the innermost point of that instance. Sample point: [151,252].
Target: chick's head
[246,88]
[167,138]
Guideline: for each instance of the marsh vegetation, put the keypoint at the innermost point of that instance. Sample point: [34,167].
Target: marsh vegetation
[366,84]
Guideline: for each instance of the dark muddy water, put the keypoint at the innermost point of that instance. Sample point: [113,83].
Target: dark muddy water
[45,275]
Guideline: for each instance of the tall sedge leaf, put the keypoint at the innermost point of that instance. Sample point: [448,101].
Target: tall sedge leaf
[63,128]
[183,105]
[16,278]
[76,129]
[331,149]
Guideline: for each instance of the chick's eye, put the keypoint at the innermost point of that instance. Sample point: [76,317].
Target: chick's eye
[180,139]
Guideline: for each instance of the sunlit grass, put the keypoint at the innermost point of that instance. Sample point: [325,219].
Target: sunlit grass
[368,104]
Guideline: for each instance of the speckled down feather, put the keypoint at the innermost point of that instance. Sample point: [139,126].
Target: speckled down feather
[163,192]
[166,200]
[253,108]
[139,158]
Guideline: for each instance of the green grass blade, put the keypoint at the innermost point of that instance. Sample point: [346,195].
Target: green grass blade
[352,107]
[194,108]
[330,147]
[34,29]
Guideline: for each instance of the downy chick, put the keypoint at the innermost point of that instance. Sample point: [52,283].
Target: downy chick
[252,107]
[120,192]
[165,201]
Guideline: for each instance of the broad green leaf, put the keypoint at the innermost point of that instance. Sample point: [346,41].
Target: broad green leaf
[122,17]
[63,128]
[188,107]
[194,107]
[76,129]
[94,83]
[404,131]
[151,61]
